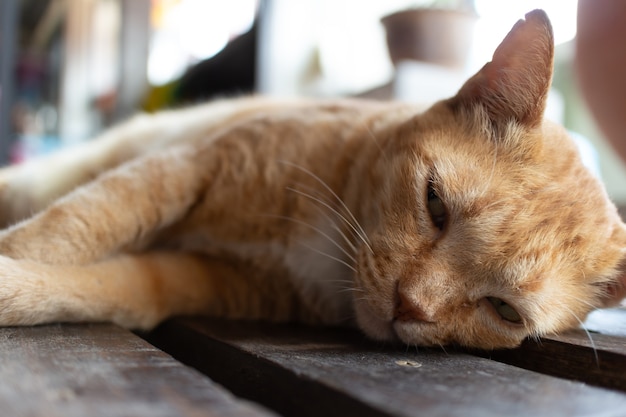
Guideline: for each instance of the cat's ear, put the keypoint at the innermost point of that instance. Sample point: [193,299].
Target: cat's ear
[514,85]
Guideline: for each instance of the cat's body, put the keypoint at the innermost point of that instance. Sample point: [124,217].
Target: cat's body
[472,223]
[245,196]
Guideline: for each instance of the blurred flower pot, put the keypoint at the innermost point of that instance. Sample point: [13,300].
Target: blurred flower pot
[437,36]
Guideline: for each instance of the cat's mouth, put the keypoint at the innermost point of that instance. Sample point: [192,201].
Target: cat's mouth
[394,330]
[420,334]
[391,329]
[388,316]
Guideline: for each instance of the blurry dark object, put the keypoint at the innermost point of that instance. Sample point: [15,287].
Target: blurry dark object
[230,72]
[437,36]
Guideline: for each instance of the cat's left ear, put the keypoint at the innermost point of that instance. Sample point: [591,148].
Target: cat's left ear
[514,85]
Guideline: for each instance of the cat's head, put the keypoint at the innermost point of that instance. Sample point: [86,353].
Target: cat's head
[488,228]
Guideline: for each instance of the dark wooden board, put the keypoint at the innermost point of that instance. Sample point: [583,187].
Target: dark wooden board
[102,370]
[596,356]
[303,371]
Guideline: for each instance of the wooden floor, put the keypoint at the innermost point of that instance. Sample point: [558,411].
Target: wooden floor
[225,368]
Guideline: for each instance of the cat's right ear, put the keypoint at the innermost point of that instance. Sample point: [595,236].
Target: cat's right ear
[514,85]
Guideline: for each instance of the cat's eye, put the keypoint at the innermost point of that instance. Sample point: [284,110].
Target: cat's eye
[504,310]
[436,208]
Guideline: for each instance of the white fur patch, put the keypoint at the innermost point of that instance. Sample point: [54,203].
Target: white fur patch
[317,265]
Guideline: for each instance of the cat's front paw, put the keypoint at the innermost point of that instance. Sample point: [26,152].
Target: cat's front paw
[25,298]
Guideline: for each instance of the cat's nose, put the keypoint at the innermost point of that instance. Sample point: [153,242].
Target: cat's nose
[408,310]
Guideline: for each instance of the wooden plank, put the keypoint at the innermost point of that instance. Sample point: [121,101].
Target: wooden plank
[304,371]
[102,370]
[596,357]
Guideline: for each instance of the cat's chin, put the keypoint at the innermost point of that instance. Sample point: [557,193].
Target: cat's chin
[377,327]
[423,334]
[372,324]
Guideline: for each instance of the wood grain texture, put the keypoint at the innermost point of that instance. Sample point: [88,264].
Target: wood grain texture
[102,370]
[596,356]
[303,371]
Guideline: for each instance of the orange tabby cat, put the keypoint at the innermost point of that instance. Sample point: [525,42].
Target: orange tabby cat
[474,223]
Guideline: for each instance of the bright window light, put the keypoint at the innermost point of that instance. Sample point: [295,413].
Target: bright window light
[187,31]
[497,18]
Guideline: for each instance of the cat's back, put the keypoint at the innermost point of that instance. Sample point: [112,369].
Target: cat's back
[266,119]
[308,117]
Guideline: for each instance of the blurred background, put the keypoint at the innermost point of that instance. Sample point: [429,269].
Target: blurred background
[70,68]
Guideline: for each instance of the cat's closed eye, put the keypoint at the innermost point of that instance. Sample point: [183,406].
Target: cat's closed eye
[436,208]
[505,311]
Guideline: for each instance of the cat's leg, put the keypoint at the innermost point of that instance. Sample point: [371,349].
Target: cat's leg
[119,208]
[27,188]
[135,291]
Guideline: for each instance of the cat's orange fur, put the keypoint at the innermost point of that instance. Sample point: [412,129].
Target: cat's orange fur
[434,228]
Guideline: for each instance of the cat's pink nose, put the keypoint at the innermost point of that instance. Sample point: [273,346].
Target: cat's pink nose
[409,310]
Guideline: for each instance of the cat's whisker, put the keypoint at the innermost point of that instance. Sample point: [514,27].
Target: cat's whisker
[347,283]
[367,298]
[340,232]
[356,223]
[587,303]
[322,201]
[343,281]
[328,206]
[321,233]
[347,290]
[410,346]
[329,256]
[376,142]
[584,328]
[333,224]
[345,238]
[355,232]
[312,190]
